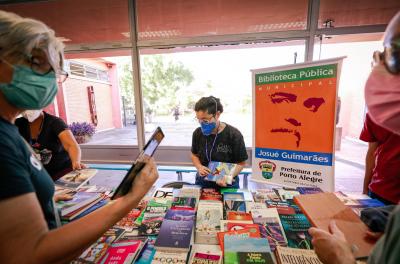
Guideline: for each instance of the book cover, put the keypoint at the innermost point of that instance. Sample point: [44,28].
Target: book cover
[185,203]
[205,254]
[148,252]
[162,257]
[263,195]
[154,205]
[218,170]
[122,252]
[175,235]
[236,246]
[254,206]
[296,230]
[283,207]
[164,193]
[322,208]
[237,206]
[270,226]
[128,222]
[233,196]
[286,255]
[208,219]
[224,224]
[204,258]
[255,257]
[287,193]
[247,195]
[96,251]
[180,215]
[79,200]
[151,224]
[309,190]
[86,210]
[246,232]
[76,179]
[232,215]
[231,226]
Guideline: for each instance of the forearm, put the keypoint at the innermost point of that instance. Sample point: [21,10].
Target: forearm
[196,161]
[74,153]
[369,166]
[72,239]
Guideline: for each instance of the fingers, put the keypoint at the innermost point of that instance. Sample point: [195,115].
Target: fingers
[373,235]
[317,232]
[334,229]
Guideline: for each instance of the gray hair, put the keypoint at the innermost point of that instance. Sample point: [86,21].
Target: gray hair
[21,35]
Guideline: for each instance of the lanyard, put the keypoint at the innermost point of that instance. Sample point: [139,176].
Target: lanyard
[212,147]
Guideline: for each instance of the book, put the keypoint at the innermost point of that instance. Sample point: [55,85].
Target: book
[184,203]
[286,193]
[210,194]
[231,226]
[296,230]
[96,251]
[263,195]
[286,255]
[236,247]
[233,196]
[164,193]
[220,170]
[224,223]
[247,195]
[322,208]
[208,222]
[270,226]
[254,206]
[236,206]
[76,179]
[162,257]
[148,252]
[82,211]
[232,215]
[128,221]
[154,206]
[252,231]
[283,207]
[309,190]
[176,231]
[254,257]
[122,252]
[79,200]
[205,254]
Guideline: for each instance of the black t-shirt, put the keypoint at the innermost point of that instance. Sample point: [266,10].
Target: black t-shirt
[22,173]
[52,153]
[228,147]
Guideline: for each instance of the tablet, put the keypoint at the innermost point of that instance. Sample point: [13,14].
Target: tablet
[148,150]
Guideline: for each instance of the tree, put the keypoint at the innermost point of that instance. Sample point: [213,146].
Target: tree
[126,84]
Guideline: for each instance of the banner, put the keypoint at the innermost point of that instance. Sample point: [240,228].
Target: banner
[294,124]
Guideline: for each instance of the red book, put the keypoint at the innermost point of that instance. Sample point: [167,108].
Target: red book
[123,252]
[239,226]
[233,215]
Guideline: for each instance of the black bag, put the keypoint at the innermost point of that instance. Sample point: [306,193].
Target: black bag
[376,218]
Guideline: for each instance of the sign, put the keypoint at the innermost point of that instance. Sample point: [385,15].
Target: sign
[294,124]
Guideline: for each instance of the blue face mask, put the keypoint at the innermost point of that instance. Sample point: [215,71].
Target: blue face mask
[207,128]
[29,90]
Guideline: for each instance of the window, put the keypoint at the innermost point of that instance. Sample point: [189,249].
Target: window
[179,78]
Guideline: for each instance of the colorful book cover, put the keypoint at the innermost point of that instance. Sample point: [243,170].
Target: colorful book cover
[185,203]
[128,222]
[224,223]
[148,252]
[180,215]
[237,206]
[204,258]
[232,226]
[234,196]
[218,170]
[232,215]
[80,199]
[76,179]
[254,257]
[246,232]
[283,207]
[309,190]
[175,235]
[287,193]
[122,252]
[263,195]
[151,224]
[236,244]
[286,255]
[94,207]
[72,215]
[154,205]
[296,230]
[270,226]
[97,250]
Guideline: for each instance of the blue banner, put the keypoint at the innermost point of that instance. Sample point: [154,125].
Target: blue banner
[317,158]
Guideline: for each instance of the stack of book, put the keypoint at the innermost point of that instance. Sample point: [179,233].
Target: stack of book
[81,201]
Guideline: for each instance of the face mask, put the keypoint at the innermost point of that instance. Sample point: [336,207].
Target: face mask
[28,90]
[207,128]
[382,96]
[31,115]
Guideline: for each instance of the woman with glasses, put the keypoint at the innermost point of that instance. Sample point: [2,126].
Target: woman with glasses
[30,64]
[216,141]
[52,140]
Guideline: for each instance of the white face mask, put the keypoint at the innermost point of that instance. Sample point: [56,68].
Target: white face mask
[31,115]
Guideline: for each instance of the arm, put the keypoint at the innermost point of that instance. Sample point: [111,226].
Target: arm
[369,165]
[71,146]
[25,228]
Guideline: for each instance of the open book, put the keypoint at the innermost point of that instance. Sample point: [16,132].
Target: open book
[76,179]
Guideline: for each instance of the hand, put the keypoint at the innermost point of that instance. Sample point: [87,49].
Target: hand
[331,247]
[145,179]
[203,171]
[221,182]
[62,197]
[78,166]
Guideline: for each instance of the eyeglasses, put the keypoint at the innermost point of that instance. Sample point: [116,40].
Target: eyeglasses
[41,66]
[204,120]
[390,57]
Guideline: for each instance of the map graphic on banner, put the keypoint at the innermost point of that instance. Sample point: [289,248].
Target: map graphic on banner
[294,124]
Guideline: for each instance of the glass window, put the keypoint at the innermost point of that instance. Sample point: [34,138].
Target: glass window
[356,12]
[158,19]
[173,80]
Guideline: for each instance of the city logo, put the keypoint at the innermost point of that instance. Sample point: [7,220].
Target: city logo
[267,169]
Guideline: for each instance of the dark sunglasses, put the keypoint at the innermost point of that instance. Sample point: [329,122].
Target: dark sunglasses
[390,58]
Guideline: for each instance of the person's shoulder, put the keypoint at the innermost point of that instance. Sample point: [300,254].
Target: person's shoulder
[233,131]
[53,119]
[21,121]
[197,132]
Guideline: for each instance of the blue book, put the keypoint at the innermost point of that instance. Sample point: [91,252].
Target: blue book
[92,208]
[180,215]
[175,235]
[219,170]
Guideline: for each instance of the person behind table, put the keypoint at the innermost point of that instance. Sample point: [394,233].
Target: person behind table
[31,60]
[382,96]
[215,141]
[52,140]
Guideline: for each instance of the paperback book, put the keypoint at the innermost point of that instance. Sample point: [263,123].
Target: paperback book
[184,203]
[205,254]
[79,200]
[76,179]
[122,252]
[286,255]
[220,170]
[296,230]
[236,247]
[162,257]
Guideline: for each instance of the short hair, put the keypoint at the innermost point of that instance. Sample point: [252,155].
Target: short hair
[392,32]
[20,35]
[207,104]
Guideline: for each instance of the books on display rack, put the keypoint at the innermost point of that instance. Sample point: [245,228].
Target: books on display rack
[76,179]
